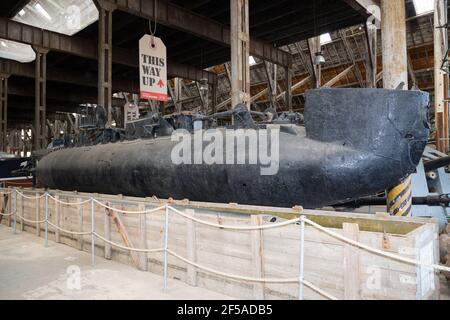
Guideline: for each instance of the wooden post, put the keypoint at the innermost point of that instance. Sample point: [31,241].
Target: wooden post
[143,257]
[22,213]
[240,45]
[107,234]
[37,210]
[57,219]
[257,257]
[8,206]
[191,249]
[351,263]
[80,224]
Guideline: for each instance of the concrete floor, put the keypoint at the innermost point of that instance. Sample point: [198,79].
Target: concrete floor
[28,270]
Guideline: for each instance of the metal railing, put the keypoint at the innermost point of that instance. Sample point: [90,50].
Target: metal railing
[302,221]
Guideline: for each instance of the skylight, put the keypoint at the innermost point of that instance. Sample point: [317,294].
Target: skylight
[16,51]
[325,38]
[251,60]
[423,6]
[62,16]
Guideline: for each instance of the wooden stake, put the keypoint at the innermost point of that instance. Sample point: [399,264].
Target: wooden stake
[57,219]
[257,256]
[351,263]
[143,257]
[37,208]
[191,249]
[80,224]
[107,234]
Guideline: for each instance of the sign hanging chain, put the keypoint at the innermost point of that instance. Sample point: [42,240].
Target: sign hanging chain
[153,30]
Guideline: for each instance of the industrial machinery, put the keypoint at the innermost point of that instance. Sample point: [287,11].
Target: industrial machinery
[354,143]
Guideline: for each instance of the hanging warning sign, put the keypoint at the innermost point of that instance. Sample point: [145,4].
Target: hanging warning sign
[152,69]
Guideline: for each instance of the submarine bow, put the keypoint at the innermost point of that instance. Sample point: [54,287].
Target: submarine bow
[355,143]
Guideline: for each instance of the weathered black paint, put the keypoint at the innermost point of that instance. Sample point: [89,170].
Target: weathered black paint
[356,142]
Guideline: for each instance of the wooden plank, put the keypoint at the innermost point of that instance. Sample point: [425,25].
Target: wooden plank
[191,249]
[80,223]
[257,256]
[57,219]
[107,234]
[351,263]
[37,214]
[124,235]
[143,257]
[22,213]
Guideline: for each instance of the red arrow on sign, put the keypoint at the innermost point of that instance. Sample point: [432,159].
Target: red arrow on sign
[160,83]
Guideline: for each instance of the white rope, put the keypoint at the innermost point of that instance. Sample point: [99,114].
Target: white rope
[376,251]
[31,198]
[6,193]
[6,214]
[28,220]
[69,203]
[251,279]
[127,248]
[267,226]
[68,231]
[129,212]
[319,291]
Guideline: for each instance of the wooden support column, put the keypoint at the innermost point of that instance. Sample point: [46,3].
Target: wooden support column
[393,36]
[371,57]
[105,10]
[3,111]
[395,72]
[40,98]
[440,47]
[240,43]
[288,94]
[213,98]
[314,47]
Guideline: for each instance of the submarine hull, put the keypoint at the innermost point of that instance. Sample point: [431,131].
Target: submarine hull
[356,142]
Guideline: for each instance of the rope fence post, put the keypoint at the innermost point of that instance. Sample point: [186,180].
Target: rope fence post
[301,275]
[92,232]
[46,218]
[166,245]
[15,210]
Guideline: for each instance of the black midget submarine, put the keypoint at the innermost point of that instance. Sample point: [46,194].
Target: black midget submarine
[354,143]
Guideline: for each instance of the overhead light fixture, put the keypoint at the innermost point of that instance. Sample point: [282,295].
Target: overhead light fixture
[251,60]
[16,51]
[325,38]
[423,6]
[62,16]
[42,11]
[320,59]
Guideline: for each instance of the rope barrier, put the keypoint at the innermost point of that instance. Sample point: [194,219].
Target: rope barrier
[129,212]
[68,231]
[267,226]
[375,251]
[30,198]
[6,214]
[127,248]
[228,275]
[69,203]
[30,221]
[210,270]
